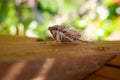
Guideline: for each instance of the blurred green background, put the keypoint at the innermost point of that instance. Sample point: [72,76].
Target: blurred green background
[99,18]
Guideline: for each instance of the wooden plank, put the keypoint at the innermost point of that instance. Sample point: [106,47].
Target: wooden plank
[96,77]
[115,61]
[13,39]
[15,48]
[109,72]
[67,68]
[70,60]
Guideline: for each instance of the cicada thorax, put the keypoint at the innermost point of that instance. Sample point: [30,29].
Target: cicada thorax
[63,34]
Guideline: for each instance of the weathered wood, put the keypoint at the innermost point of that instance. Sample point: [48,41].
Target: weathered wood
[52,60]
[66,68]
[12,39]
[15,48]
[109,72]
[97,77]
[115,62]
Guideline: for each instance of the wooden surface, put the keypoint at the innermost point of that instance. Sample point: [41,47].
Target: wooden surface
[15,48]
[23,58]
[110,71]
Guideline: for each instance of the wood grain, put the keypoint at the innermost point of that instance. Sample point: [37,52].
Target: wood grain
[109,72]
[97,77]
[23,58]
[12,39]
[115,62]
[16,48]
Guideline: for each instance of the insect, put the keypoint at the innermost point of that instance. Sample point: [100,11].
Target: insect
[63,34]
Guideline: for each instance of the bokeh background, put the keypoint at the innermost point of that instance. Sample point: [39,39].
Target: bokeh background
[99,18]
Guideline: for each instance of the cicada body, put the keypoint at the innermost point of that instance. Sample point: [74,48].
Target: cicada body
[63,34]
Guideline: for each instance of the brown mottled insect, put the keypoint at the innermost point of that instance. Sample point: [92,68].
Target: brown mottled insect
[63,34]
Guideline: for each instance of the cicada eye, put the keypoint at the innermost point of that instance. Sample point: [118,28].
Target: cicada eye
[50,28]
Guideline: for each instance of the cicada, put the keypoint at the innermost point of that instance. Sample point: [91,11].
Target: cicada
[63,34]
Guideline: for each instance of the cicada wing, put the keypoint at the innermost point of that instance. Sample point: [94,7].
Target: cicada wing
[61,37]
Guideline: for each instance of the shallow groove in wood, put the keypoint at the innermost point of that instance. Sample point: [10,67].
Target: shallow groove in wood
[114,66]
